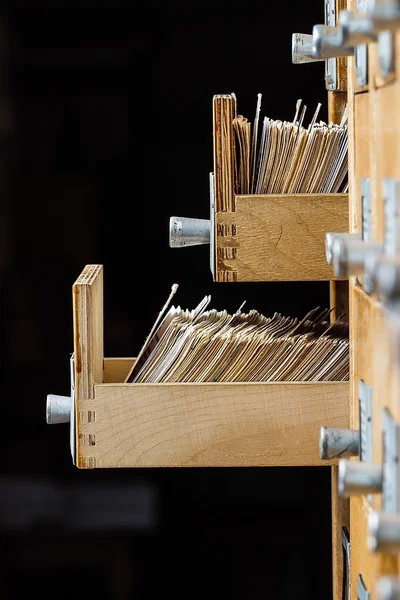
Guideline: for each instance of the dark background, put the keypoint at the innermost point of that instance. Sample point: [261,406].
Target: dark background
[106,132]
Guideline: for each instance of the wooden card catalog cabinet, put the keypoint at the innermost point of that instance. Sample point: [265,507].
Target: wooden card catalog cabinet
[374,176]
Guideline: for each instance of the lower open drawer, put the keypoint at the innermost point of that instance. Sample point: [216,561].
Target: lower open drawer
[206,424]
[188,424]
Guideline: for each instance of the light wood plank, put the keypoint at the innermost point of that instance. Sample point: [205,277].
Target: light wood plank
[340,518]
[223,138]
[354,224]
[386,378]
[280,237]
[371,363]
[383,370]
[337,102]
[360,313]
[341,63]
[339,301]
[359,155]
[385,149]
[87,304]
[360,345]
[360,368]
[208,424]
[370,565]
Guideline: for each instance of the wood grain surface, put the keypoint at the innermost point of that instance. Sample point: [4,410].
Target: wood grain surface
[208,424]
[280,238]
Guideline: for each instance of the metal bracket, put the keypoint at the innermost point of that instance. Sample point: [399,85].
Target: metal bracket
[391,216]
[361,64]
[72,429]
[212,227]
[387,587]
[361,51]
[330,63]
[385,52]
[365,187]
[365,412]
[302,49]
[346,565]
[362,592]
[390,451]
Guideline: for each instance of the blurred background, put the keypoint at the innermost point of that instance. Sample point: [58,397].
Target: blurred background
[106,132]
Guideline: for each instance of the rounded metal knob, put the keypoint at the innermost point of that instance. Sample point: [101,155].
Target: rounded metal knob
[385,273]
[336,442]
[302,49]
[349,256]
[357,28]
[58,409]
[330,236]
[388,588]
[188,232]
[357,478]
[386,15]
[328,42]
[383,532]
[392,324]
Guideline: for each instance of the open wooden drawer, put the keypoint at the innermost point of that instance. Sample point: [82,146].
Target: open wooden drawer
[187,424]
[266,237]
[260,237]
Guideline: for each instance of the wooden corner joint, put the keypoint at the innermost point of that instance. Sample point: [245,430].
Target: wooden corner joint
[225,275]
[227,248]
[86,436]
[226,230]
[86,462]
[87,416]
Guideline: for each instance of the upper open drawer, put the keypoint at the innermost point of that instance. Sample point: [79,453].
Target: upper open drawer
[260,237]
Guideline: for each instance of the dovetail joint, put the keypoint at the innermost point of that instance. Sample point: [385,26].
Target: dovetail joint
[87,439]
[87,462]
[226,230]
[87,416]
[226,253]
[226,276]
